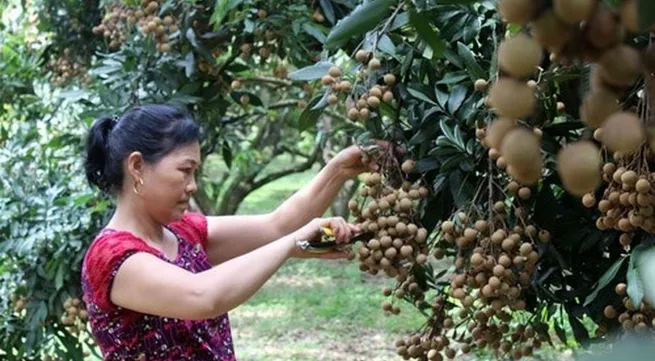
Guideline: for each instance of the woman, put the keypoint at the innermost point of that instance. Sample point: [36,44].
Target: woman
[158,280]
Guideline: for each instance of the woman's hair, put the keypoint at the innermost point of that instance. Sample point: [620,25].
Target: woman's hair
[154,130]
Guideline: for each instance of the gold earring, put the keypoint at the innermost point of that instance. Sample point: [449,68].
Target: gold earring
[135,186]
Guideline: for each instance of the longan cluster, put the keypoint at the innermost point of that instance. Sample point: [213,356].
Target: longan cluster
[336,84]
[501,263]
[370,100]
[151,24]
[589,31]
[515,148]
[390,215]
[119,17]
[493,268]
[627,203]
[75,315]
[639,319]
[114,25]
[453,332]
[66,68]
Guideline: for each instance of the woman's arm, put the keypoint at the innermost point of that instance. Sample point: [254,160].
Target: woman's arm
[232,236]
[147,284]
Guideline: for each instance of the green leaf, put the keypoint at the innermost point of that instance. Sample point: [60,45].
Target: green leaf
[312,72]
[634,282]
[314,31]
[385,44]
[312,112]
[328,10]
[605,280]
[221,9]
[469,60]
[457,96]
[191,36]
[422,25]
[646,14]
[362,19]
[418,94]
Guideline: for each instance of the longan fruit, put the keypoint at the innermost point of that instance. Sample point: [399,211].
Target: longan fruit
[520,55]
[578,165]
[574,11]
[334,72]
[623,132]
[621,66]
[512,98]
[517,11]
[597,107]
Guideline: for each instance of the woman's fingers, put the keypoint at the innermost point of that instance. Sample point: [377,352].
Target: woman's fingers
[343,231]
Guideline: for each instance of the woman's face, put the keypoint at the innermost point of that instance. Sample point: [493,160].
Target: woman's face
[169,184]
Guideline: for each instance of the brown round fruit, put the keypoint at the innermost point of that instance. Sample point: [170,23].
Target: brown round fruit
[597,106]
[517,11]
[374,64]
[578,164]
[497,132]
[602,29]
[512,98]
[481,85]
[551,32]
[390,79]
[621,289]
[521,149]
[525,193]
[629,16]
[623,132]
[574,11]
[327,80]
[588,200]
[334,72]
[520,55]
[621,66]
[361,56]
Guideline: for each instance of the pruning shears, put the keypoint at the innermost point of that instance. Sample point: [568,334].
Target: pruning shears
[327,242]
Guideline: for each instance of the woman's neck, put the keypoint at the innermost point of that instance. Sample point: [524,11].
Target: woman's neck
[129,217]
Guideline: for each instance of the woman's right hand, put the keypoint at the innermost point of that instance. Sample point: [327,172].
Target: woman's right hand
[343,232]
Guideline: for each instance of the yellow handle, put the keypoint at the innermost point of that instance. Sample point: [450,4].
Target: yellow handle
[327,231]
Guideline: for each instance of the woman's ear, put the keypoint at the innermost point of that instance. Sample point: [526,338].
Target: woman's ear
[135,165]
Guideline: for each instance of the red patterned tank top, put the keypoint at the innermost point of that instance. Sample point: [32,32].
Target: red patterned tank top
[125,335]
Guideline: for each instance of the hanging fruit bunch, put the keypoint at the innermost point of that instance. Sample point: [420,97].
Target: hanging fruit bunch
[379,91]
[114,26]
[632,318]
[152,24]
[387,207]
[66,68]
[493,270]
[75,315]
[119,18]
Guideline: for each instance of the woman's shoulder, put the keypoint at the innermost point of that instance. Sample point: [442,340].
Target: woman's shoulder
[192,227]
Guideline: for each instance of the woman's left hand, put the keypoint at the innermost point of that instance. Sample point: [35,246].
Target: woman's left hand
[349,161]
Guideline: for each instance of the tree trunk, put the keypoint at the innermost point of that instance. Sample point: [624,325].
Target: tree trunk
[339,207]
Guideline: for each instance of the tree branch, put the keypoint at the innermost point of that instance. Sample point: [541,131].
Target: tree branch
[265,79]
[285,172]
[281,104]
